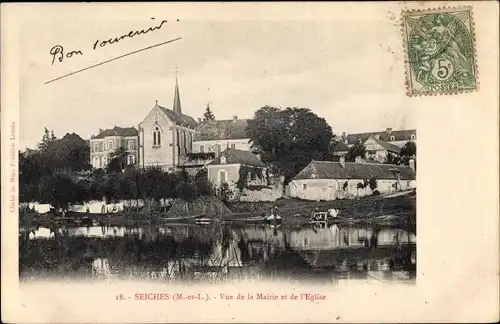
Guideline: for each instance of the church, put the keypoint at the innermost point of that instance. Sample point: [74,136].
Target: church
[166,135]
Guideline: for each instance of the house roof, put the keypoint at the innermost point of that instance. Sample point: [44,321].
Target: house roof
[117,131]
[234,156]
[399,135]
[388,146]
[222,130]
[179,118]
[351,170]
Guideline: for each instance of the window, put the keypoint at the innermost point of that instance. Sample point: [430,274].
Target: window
[96,147]
[233,146]
[110,145]
[96,162]
[157,117]
[412,137]
[304,186]
[202,149]
[156,136]
[131,145]
[131,159]
[222,176]
[210,148]
[393,138]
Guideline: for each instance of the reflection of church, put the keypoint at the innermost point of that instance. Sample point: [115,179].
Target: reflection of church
[166,135]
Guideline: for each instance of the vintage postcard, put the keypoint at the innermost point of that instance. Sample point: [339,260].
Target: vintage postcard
[250,162]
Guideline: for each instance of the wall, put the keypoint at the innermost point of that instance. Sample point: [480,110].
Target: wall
[329,189]
[232,174]
[273,191]
[162,155]
[104,149]
[209,146]
[184,143]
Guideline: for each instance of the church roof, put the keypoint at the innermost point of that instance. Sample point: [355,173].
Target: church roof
[179,119]
[117,131]
[177,99]
[222,130]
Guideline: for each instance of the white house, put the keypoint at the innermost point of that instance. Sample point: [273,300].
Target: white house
[395,137]
[324,180]
[378,150]
[232,164]
[216,136]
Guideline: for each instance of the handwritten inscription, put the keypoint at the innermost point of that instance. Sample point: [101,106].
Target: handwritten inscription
[59,54]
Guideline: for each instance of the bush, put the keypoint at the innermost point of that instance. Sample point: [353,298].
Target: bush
[376,193]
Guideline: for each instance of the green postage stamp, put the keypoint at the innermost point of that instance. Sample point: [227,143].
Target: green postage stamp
[440,54]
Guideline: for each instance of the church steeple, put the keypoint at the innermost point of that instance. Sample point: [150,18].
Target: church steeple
[177,99]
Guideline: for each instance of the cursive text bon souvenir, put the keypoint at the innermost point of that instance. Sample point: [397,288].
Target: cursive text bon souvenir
[58,53]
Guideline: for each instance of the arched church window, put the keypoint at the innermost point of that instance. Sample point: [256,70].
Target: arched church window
[185,142]
[156,136]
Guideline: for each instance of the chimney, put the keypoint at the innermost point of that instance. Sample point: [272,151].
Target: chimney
[235,117]
[388,130]
[342,161]
[412,164]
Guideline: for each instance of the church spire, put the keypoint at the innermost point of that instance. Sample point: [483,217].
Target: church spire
[177,98]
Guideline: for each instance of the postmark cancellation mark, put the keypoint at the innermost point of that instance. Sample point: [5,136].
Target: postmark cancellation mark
[440,51]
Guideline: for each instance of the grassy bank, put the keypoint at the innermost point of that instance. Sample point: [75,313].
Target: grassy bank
[348,208]
[291,210]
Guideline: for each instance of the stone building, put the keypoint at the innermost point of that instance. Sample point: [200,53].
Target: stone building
[324,180]
[166,135]
[109,140]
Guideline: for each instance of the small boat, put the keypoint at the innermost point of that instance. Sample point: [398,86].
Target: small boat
[319,217]
[203,221]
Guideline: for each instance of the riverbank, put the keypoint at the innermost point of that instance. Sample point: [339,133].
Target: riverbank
[372,209]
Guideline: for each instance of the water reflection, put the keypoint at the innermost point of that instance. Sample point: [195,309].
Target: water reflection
[218,252]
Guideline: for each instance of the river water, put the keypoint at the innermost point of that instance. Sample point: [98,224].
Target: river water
[218,252]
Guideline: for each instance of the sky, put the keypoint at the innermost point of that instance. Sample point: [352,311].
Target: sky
[349,72]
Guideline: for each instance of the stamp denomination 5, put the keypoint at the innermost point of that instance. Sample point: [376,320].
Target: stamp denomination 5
[440,51]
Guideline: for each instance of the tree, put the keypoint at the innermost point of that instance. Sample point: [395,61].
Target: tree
[289,139]
[373,183]
[61,191]
[408,151]
[47,138]
[224,193]
[358,149]
[117,160]
[208,115]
